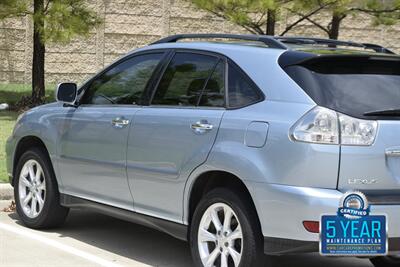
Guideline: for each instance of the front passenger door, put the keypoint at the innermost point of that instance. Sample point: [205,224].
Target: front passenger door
[92,147]
[174,135]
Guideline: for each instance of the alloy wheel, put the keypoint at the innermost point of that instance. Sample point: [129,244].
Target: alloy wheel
[32,188]
[220,237]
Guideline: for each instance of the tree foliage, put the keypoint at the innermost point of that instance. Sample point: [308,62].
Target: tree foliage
[251,15]
[63,19]
[12,8]
[54,21]
[259,16]
[255,15]
[382,12]
[66,19]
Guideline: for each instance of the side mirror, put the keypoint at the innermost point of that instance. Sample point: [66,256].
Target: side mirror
[67,93]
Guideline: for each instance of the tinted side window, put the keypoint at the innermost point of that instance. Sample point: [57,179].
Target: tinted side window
[123,84]
[184,79]
[214,92]
[241,91]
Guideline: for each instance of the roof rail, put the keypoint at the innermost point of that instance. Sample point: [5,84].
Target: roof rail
[308,40]
[378,48]
[267,40]
[333,43]
[276,41]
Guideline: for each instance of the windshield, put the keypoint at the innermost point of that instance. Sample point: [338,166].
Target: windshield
[351,87]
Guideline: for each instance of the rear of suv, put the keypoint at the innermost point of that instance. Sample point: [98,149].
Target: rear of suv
[237,147]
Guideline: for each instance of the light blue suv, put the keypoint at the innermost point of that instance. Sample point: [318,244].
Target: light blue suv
[237,145]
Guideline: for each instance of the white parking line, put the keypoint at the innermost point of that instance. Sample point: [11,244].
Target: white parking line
[58,245]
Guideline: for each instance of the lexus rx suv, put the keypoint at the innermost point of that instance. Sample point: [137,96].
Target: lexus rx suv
[236,143]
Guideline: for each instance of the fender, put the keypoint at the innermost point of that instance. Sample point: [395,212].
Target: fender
[42,125]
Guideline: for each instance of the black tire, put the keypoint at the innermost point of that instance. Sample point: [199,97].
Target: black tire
[252,248]
[52,213]
[386,261]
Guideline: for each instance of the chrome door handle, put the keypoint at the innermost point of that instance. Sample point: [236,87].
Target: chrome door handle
[202,127]
[119,122]
[393,152]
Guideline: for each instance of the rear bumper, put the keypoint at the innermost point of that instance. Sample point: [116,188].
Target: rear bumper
[279,246]
[283,209]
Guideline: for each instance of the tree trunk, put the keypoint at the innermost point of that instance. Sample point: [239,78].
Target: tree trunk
[335,26]
[38,89]
[271,22]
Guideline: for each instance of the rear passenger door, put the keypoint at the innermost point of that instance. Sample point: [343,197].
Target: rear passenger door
[175,133]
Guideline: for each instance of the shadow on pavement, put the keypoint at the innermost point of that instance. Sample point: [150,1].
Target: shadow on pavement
[158,249]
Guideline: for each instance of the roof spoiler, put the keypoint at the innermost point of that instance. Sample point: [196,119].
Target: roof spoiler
[290,58]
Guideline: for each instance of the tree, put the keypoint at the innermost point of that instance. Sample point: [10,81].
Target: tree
[260,16]
[54,21]
[383,11]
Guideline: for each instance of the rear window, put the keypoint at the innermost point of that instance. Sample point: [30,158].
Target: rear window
[351,86]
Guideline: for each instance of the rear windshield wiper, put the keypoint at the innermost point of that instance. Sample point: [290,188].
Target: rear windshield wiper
[386,112]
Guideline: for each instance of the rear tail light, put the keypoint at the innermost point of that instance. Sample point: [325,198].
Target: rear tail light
[357,132]
[320,125]
[311,226]
[325,126]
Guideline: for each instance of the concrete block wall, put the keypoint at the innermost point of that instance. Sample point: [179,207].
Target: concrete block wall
[135,23]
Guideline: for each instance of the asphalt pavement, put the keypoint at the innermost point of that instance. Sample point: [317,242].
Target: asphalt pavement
[90,239]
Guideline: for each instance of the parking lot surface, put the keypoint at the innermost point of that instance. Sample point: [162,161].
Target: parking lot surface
[90,239]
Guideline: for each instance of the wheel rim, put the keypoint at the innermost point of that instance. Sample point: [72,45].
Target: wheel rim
[220,237]
[32,188]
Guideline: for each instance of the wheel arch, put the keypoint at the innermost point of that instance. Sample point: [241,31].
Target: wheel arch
[24,144]
[209,180]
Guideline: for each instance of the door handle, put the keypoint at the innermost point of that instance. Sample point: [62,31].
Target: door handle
[201,127]
[119,122]
[393,152]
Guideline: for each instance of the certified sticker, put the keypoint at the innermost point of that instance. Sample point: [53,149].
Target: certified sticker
[353,231]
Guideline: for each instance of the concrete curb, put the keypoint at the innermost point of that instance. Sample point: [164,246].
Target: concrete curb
[6,192]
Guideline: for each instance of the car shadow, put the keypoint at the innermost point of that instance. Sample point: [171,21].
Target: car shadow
[155,248]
